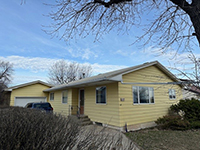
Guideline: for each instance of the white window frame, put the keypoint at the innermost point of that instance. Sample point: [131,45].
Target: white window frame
[64,97]
[150,89]
[105,95]
[51,97]
[172,94]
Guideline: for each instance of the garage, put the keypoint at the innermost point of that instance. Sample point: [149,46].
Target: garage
[22,101]
[28,92]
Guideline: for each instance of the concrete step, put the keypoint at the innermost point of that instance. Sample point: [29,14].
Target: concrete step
[85,120]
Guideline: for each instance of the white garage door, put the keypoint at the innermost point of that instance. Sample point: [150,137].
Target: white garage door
[22,101]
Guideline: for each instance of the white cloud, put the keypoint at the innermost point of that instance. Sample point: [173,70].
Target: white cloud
[20,79]
[28,69]
[98,68]
[124,53]
[83,53]
[39,64]
[172,59]
[34,64]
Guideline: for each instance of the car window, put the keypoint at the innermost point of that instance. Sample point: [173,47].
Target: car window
[29,105]
[42,105]
[45,105]
[36,105]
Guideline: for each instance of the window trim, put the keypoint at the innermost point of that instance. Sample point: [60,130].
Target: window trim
[105,96]
[138,95]
[172,93]
[50,96]
[63,97]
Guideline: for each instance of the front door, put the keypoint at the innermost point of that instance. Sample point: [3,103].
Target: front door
[82,101]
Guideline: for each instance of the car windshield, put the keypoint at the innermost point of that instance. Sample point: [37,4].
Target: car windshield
[42,105]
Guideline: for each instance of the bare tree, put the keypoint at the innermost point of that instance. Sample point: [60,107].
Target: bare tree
[6,71]
[62,72]
[189,75]
[172,23]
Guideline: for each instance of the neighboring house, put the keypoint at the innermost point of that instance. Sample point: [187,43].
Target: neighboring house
[134,97]
[28,92]
[190,91]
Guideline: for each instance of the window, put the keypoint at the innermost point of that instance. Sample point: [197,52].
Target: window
[51,96]
[101,95]
[172,94]
[64,96]
[143,95]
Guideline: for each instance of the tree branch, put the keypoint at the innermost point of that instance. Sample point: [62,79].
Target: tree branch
[111,2]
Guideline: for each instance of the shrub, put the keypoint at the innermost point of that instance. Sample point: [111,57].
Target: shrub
[22,128]
[191,109]
[183,115]
[173,122]
[195,124]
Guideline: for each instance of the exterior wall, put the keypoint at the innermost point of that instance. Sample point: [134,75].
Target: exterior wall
[75,100]
[141,115]
[104,113]
[35,90]
[59,107]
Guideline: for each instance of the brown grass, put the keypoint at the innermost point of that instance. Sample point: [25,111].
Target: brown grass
[154,139]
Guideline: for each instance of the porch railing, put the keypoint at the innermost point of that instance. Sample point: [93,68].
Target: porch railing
[71,107]
[78,112]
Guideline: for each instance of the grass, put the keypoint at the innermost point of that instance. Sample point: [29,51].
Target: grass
[154,139]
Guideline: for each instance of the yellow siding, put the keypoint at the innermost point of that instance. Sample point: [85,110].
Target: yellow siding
[75,99]
[35,90]
[59,107]
[104,113]
[142,113]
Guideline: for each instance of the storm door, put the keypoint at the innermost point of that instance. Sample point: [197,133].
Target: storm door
[81,100]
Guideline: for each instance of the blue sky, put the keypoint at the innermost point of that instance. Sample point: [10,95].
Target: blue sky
[32,51]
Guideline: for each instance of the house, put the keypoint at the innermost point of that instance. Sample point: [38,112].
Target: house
[20,95]
[133,97]
[190,90]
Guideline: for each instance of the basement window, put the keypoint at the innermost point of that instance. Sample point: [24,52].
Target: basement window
[143,95]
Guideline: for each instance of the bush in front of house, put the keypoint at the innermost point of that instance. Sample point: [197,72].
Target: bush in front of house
[174,122]
[22,128]
[182,116]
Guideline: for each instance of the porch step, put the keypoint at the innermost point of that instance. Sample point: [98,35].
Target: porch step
[85,120]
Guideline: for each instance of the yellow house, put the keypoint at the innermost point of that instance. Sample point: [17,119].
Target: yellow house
[20,95]
[134,97]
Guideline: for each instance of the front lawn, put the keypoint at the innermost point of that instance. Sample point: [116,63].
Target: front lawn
[154,139]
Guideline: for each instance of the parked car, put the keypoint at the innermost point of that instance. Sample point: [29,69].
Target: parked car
[41,106]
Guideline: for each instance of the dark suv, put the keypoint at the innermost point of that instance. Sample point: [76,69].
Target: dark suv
[41,106]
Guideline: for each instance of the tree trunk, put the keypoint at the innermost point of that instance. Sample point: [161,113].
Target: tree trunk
[195,18]
[193,10]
